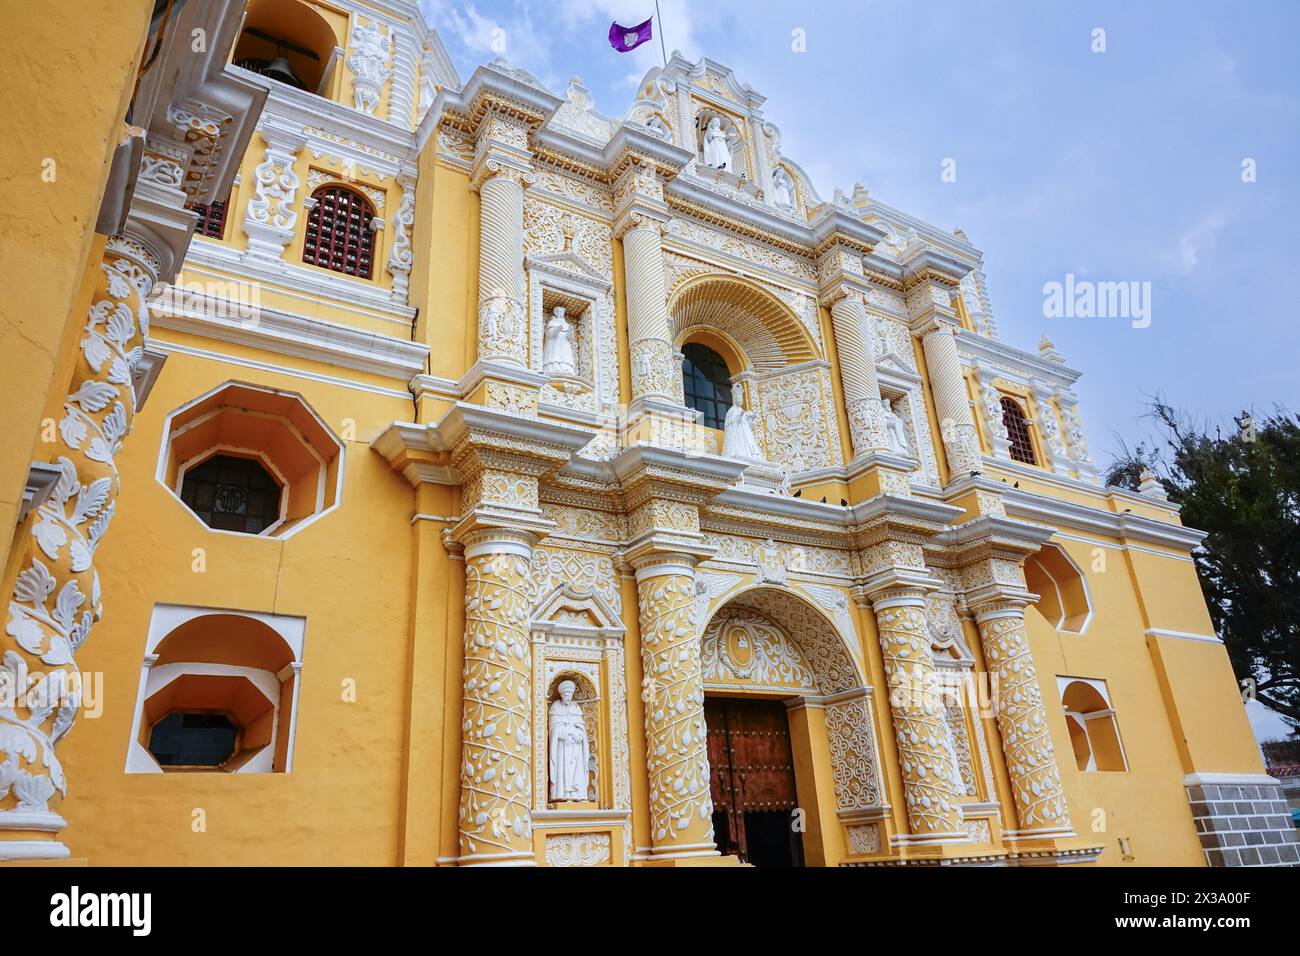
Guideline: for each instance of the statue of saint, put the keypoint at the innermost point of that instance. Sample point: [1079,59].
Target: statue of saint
[895,430]
[570,750]
[716,151]
[738,439]
[557,348]
[782,189]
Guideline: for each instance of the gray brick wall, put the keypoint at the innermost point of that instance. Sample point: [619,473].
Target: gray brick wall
[1244,824]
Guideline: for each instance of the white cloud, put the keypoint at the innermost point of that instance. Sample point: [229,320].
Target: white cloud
[1197,241]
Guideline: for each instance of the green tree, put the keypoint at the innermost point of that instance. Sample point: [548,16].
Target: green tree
[1243,489]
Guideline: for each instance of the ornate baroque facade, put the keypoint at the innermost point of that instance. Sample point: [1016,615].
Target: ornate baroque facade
[983,656]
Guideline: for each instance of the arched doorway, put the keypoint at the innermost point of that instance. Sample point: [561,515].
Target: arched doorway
[791,743]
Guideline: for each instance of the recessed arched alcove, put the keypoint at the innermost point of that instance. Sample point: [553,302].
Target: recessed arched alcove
[218,693]
[288,41]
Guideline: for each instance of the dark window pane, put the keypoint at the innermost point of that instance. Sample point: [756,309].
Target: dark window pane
[232,494]
[706,383]
[193,740]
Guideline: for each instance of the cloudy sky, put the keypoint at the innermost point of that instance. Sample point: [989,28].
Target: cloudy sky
[1123,165]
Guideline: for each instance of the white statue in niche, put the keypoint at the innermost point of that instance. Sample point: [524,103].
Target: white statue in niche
[782,189]
[738,439]
[895,430]
[716,151]
[570,751]
[557,349]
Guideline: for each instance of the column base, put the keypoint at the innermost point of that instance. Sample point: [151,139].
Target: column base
[1055,847]
[682,861]
[78,861]
[498,859]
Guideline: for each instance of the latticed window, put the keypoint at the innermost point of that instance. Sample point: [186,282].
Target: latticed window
[232,494]
[339,236]
[706,381]
[1017,426]
[212,219]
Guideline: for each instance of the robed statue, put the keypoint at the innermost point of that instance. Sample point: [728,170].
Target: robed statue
[557,349]
[738,439]
[716,151]
[570,750]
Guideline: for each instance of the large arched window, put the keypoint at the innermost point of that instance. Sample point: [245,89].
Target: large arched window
[1017,426]
[706,382]
[339,235]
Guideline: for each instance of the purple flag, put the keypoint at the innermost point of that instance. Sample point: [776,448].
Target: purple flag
[626,39]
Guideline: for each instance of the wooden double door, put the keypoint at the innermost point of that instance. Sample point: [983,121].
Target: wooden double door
[751,780]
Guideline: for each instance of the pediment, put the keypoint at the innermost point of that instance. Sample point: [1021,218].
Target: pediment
[572,611]
[570,265]
[891,364]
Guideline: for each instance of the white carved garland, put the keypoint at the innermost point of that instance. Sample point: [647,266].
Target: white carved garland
[56,597]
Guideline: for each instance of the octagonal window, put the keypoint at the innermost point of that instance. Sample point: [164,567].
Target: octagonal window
[231,493]
[246,459]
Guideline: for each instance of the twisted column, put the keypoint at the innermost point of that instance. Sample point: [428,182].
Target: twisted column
[951,404]
[852,326]
[924,745]
[649,335]
[501,328]
[54,600]
[496,742]
[681,809]
[1022,722]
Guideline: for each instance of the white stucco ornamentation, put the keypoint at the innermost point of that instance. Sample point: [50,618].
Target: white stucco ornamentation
[271,217]
[569,748]
[56,597]
[681,809]
[400,256]
[368,60]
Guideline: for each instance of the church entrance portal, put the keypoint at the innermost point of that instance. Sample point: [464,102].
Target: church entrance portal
[752,781]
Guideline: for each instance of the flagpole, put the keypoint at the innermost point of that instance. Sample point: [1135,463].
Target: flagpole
[662,50]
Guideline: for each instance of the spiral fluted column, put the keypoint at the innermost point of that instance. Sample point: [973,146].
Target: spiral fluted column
[501,329]
[677,758]
[54,600]
[649,335]
[951,403]
[1022,722]
[857,364]
[925,755]
[496,742]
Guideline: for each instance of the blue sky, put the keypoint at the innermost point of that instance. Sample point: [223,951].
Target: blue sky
[1117,166]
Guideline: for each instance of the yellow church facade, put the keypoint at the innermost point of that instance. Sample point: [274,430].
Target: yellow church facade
[485,480]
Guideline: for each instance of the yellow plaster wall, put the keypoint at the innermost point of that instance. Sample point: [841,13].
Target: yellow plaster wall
[72,117]
[349,574]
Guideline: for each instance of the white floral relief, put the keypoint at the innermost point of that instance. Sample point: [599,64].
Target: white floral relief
[794,421]
[56,597]
[552,567]
[742,647]
[577,849]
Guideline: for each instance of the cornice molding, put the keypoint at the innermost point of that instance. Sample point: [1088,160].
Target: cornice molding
[288,333]
[974,348]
